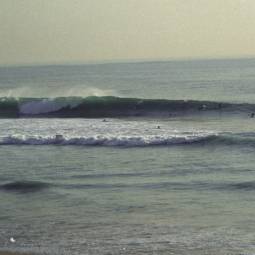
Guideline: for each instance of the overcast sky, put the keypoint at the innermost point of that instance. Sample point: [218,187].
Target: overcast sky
[70,31]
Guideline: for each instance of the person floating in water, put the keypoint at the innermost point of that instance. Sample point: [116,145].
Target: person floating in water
[202,107]
[252,115]
[158,127]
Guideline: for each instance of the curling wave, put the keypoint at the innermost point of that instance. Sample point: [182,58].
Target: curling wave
[109,106]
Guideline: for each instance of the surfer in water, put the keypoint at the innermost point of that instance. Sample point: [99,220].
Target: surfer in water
[59,138]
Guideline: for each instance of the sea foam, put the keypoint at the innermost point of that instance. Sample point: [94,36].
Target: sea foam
[102,140]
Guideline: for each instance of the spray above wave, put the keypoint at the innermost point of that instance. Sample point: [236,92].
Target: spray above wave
[109,106]
[54,92]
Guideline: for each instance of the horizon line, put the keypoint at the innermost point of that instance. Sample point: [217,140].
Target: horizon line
[124,61]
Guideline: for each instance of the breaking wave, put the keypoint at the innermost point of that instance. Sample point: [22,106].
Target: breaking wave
[103,140]
[109,106]
[133,141]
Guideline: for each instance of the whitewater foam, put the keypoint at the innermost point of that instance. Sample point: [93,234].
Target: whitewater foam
[103,140]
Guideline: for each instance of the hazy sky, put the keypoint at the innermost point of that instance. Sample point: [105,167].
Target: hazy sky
[49,31]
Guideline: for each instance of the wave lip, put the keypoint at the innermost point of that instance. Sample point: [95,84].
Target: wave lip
[109,106]
[47,105]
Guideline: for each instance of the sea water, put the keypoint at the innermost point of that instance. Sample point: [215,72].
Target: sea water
[181,183]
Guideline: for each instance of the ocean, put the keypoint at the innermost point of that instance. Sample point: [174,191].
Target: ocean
[128,158]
